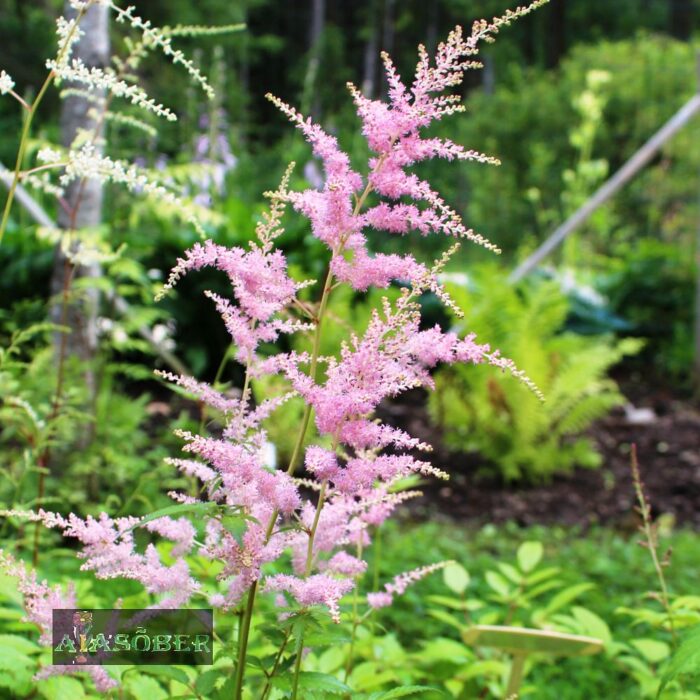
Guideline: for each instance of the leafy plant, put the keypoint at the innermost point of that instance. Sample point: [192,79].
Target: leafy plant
[521,437]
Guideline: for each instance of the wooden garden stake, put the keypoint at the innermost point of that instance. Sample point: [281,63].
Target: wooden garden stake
[520,642]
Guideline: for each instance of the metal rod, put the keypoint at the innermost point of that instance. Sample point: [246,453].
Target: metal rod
[610,187]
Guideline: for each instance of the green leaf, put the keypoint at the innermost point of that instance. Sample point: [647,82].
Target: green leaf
[17,643]
[447,618]
[685,660]
[62,688]
[653,650]
[456,578]
[564,597]
[175,674]
[511,573]
[330,636]
[312,681]
[529,555]
[177,509]
[592,624]
[498,583]
[443,649]
[11,658]
[483,668]
[206,682]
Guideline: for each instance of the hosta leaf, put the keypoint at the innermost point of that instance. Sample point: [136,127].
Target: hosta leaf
[312,683]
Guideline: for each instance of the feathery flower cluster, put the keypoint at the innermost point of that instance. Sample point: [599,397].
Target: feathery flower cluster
[6,83]
[97,85]
[254,514]
[400,583]
[75,71]
[87,162]
[40,600]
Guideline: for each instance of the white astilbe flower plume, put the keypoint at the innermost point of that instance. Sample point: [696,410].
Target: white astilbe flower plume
[6,83]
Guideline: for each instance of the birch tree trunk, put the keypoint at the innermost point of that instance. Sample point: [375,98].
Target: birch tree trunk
[370,54]
[387,37]
[311,102]
[84,200]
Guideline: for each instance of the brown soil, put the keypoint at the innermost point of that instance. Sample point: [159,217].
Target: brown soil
[669,455]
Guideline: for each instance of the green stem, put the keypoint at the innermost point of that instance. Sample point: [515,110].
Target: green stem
[307,572]
[248,615]
[377,559]
[24,137]
[278,658]
[355,619]
[243,640]
[313,371]
[22,149]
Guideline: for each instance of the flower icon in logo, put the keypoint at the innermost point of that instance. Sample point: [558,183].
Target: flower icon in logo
[82,625]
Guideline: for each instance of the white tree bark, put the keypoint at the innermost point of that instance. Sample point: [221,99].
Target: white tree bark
[84,209]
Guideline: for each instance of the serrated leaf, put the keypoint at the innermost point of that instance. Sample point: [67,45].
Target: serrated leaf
[311,681]
[11,658]
[529,555]
[326,637]
[206,682]
[142,686]
[169,672]
[456,578]
[444,649]
[686,659]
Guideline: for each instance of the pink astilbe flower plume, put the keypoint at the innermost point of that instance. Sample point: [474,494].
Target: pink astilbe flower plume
[40,600]
[399,584]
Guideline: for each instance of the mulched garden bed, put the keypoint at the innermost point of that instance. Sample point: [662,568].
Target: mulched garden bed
[669,455]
